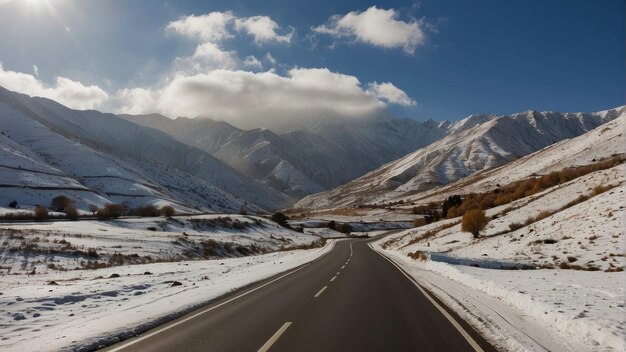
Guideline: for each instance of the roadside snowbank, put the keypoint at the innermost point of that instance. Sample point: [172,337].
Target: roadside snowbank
[530,309]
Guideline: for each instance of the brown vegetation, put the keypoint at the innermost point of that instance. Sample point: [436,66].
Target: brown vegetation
[41,213]
[61,203]
[474,221]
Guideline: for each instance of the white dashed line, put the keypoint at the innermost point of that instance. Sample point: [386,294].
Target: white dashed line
[333,279]
[275,337]
[167,327]
[320,292]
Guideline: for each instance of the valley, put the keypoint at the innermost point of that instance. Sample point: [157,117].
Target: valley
[94,225]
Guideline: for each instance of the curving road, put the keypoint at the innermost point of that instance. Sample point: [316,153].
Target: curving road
[352,299]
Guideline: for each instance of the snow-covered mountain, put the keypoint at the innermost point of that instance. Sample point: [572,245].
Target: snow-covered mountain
[476,143]
[301,162]
[49,149]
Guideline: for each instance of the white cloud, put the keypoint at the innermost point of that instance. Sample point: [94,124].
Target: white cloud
[263,29]
[136,100]
[36,70]
[390,93]
[378,27]
[252,61]
[207,56]
[211,27]
[267,99]
[65,91]
[269,58]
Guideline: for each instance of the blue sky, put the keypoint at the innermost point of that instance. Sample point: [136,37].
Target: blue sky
[458,58]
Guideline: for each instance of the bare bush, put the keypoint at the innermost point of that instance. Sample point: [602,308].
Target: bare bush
[280,219]
[474,221]
[41,213]
[110,211]
[168,211]
[71,212]
[60,203]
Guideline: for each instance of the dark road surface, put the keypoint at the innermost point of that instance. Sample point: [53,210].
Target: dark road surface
[352,299]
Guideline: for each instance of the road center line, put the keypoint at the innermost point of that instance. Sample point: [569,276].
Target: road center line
[274,337]
[320,292]
[343,267]
[333,279]
[167,327]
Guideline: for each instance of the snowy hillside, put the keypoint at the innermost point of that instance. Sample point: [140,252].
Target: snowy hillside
[569,236]
[107,159]
[304,161]
[478,142]
[571,239]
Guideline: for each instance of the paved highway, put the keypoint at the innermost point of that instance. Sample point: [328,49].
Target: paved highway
[352,299]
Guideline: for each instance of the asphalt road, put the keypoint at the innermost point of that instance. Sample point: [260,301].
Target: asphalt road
[351,299]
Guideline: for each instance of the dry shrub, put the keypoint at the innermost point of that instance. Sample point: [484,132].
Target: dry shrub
[515,226]
[474,221]
[110,211]
[418,255]
[71,212]
[581,198]
[468,205]
[146,211]
[452,213]
[542,215]
[601,189]
[61,203]
[168,211]
[419,222]
[41,213]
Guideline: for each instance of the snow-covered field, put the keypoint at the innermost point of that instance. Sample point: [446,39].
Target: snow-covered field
[52,246]
[85,309]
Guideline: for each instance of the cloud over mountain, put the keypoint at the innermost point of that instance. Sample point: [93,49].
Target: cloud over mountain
[264,98]
[66,91]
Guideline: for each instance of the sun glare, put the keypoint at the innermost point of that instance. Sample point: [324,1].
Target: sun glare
[34,3]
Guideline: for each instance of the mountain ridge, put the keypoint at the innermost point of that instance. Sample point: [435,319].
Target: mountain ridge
[475,143]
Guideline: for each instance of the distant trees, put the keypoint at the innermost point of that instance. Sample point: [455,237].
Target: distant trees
[13,204]
[474,221]
[168,211]
[93,209]
[71,212]
[452,201]
[242,211]
[146,210]
[110,211]
[280,219]
[60,203]
[41,213]
[342,227]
